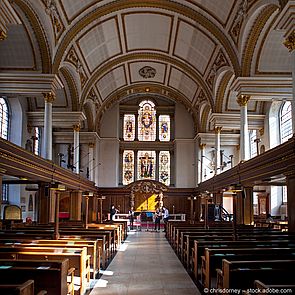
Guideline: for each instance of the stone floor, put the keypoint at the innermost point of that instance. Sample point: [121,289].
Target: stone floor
[145,265]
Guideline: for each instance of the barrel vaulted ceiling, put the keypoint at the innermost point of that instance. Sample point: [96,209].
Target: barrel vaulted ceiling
[187,50]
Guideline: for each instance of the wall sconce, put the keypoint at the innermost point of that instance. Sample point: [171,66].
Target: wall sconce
[56,186]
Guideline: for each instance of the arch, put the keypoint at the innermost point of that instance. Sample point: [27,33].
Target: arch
[40,34]
[4,118]
[172,6]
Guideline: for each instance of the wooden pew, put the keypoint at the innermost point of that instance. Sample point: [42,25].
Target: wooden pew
[77,257]
[242,274]
[92,248]
[262,288]
[47,275]
[213,258]
[199,248]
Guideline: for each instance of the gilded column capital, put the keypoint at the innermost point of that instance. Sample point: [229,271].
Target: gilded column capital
[202,146]
[290,41]
[49,97]
[91,145]
[3,35]
[261,131]
[77,127]
[243,99]
[217,130]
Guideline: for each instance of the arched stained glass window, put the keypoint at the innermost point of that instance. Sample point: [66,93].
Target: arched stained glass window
[164,167]
[4,118]
[286,121]
[129,127]
[128,167]
[37,141]
[146,161]
[147,121]
[164,127]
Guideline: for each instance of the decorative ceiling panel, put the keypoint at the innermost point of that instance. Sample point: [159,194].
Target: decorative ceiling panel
[146,71]
[100,43]
[16,52]
[182,83]
[193,46]
[72,8]
[273,55]
[147,31]
[112,81]
[220,10]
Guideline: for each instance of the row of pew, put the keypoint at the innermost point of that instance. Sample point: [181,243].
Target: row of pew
[248,258]
[58,266]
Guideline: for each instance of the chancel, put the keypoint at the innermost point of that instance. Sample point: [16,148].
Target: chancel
[118,114]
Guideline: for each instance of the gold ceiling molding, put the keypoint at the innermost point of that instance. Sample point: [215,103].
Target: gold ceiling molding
[220,61]
[254,35]
[112,7]
[205,118]
[242,100]
[290,41]
[147,56]
[201,97]
[39,32]
[73,58]
[220,94]
[71,83]
[3,35]
[56,22]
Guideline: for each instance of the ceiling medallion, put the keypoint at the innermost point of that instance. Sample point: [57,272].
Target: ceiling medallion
[147,72]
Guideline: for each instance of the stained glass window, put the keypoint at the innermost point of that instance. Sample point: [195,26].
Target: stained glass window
[128,167]
[164,128]
[286,121]
[3,118]
[129,127]
[147,121]
[164,167]
[146,162]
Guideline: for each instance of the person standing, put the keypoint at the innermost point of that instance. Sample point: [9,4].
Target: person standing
[165,217]
[158,217]
[113,212]
[131,218]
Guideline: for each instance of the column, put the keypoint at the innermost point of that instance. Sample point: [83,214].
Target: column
[52,204]
[217,149]
[135,165]
[290,44]
[157,166]
[47,136]
[86,210]
[157,127]
[56,216]
[91,161]
[43,204]
[202,148]
[76,148]
[248,206]
[290,179]
[75,205]
[244,134]
[136,127]
[2,172]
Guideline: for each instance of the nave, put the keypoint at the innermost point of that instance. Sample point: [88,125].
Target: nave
[145,264]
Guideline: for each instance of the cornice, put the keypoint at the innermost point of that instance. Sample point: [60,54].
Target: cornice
[101,11]
[263,88]
[67,137]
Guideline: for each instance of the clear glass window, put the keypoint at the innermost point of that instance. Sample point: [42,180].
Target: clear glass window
[37,141]
[286,131]
[4,118]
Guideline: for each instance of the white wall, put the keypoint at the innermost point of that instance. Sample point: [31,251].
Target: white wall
[108,162]
[110,123]
[185,175]
[184,125]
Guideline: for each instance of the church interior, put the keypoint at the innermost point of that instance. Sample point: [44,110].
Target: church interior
[187,105]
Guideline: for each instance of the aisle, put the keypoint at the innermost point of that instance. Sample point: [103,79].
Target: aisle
[145,265]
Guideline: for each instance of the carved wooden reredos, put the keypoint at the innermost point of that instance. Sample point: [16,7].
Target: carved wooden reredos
[146,187]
